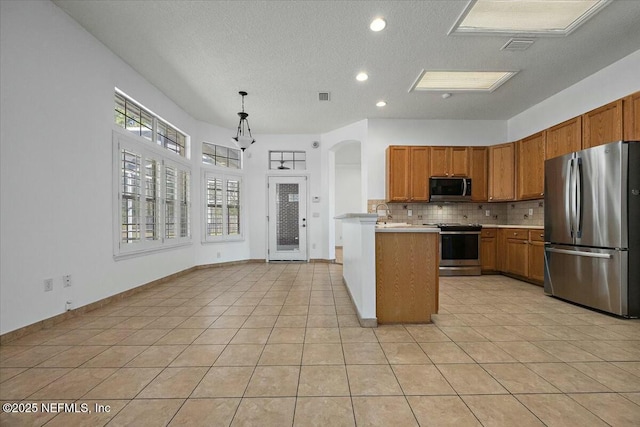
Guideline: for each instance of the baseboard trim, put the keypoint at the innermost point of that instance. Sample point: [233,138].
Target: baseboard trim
[365,322]
[53,321]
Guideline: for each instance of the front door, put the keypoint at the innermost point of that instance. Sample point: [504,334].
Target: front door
[287,220]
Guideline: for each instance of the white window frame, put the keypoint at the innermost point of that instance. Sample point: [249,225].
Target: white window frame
[224,175]
[122,139]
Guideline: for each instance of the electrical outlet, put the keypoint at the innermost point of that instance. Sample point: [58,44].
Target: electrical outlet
[487,213]
[530,213]
[313,246]
[419,216]
[410,212]
[66,280]
[218,255]
[48,285]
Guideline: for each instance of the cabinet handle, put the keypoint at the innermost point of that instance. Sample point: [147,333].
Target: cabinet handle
[542,235]
[542,194]
[515,234]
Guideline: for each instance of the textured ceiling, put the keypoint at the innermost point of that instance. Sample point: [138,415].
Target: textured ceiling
[201,53]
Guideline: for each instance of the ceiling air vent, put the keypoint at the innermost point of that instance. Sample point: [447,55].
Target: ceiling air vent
[518,44]
[323,96]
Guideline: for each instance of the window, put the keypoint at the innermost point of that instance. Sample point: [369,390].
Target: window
[288,160]
[217,155]
[140,121]
[223,214]
[153,197]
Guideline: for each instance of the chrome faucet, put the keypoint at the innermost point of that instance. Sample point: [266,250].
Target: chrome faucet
[387,210]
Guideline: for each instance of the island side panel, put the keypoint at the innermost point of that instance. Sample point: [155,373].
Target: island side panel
[406,277]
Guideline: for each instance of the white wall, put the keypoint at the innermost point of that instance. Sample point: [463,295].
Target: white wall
[57,84]
[613,82]
[385,132]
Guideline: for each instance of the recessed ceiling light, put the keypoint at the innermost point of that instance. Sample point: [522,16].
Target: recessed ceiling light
[535,17]
[446,95]
[461,81]
[381,104]
[378,24]
[362,77]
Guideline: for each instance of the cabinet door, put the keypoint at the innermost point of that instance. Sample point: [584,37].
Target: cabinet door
[501,172]
[478,173]
[564,138]
[488,247]
[397,173]
[530,161]
[602,125]
[419,174]
[501,250]
[439,161]
[536,261]
[517,257]
[631,109]
[459,161]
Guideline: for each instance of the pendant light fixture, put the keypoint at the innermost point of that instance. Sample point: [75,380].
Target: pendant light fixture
[242,139]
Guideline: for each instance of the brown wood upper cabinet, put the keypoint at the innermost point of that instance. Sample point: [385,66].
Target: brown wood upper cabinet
[530,161]
[631,108]
[602,125]
[449,161]
[564,138]
[478,173]
[501,172]
[407,173]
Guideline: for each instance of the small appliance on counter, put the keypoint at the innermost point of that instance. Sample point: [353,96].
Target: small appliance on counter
[449,189]
[592,228]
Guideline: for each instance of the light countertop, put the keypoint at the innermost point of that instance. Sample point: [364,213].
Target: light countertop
[408,229]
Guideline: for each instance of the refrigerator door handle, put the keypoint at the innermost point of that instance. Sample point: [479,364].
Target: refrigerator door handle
[578,166]
[569,205]
[578,253]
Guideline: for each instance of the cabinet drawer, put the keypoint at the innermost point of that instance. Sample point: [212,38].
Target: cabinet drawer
[536,235]
[518,234]
[488,232]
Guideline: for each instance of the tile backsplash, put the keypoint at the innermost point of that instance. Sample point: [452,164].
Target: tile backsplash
[512,213]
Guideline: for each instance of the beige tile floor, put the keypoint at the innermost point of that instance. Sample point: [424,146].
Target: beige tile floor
[280,345]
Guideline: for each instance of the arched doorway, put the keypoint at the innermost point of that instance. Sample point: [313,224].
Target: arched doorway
[347,186]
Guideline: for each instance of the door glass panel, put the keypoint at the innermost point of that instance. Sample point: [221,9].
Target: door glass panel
[287,221]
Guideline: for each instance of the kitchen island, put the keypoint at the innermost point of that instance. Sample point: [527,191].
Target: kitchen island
[391,271]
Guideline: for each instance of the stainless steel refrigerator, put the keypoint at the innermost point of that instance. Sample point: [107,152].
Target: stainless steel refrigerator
[592,228]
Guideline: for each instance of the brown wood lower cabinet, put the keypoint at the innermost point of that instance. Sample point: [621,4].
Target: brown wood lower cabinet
[488,248]
[518,257]
[406,277]
[519,252]
[536,255]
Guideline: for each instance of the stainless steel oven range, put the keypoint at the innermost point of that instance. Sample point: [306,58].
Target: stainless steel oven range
[460,249]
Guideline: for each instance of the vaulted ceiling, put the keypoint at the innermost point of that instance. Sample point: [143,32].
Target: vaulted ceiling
[201,53]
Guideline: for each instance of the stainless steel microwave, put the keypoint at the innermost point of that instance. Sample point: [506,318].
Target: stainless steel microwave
[449,189]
